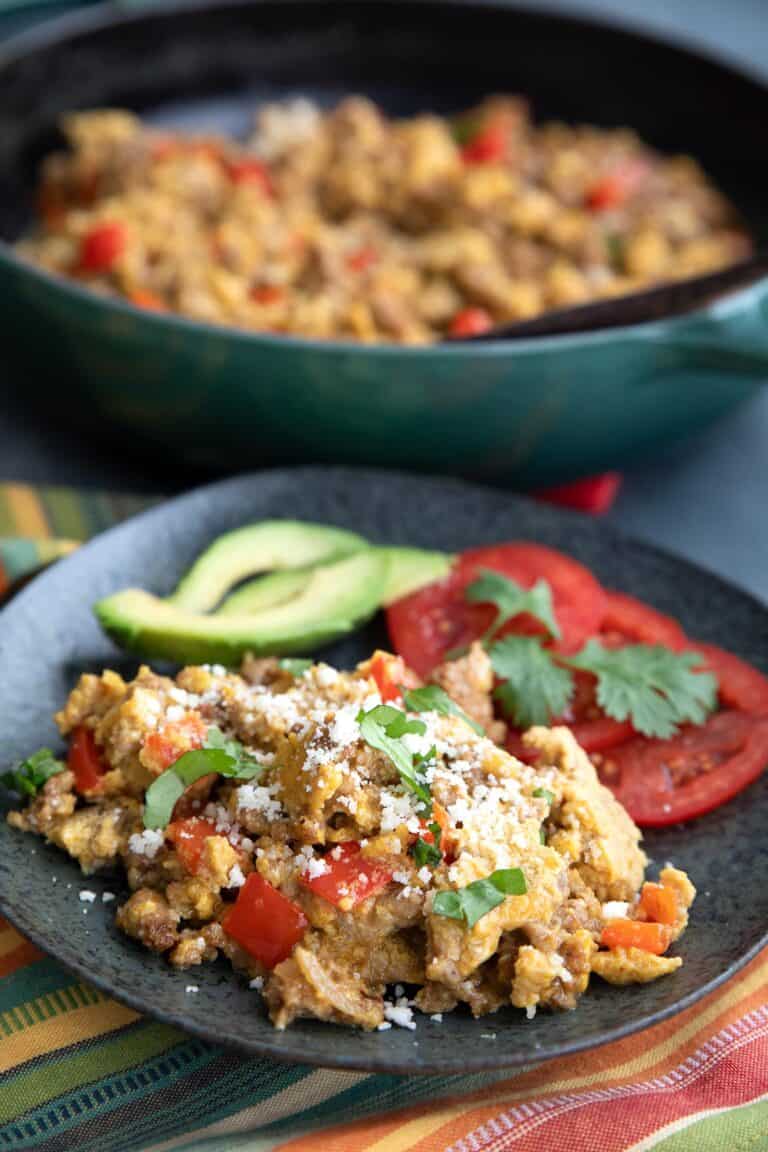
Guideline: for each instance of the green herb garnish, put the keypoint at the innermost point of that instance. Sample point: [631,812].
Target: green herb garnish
[544,794]
[296,665]
[481,896]
[510,600]
[425,853]
[382,728]
[432,698]
[542,835]
[220,755]
[534,688]
[653,687]
[28,776]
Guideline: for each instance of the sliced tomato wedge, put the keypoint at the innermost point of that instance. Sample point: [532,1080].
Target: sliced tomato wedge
[84,760]
[618,186]
[740,685]
[264,922]
[102,246]
[164,747]
[428,624]
[470,322]
[662,782]
[639,623]
[489,144]
[351,877]
[188,838]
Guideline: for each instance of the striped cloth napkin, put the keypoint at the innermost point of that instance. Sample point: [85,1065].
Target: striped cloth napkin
[78,1070]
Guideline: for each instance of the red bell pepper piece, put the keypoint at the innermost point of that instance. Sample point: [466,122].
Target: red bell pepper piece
[264,922]
[163,748]
[351,877]
[102,246]
[488,146]
[648,937]
[594,494]
[391,675]
[250,172]
[470,322]
[188,838]
[84,760]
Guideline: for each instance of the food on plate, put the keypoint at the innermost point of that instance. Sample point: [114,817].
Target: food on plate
[675,727]
[338,836]
[347,224]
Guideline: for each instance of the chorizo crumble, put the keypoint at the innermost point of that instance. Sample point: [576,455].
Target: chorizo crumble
[347,224]
[325,875]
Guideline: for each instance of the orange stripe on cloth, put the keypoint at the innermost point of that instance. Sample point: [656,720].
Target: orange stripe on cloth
[19,956]
[666,1045]
[26,510]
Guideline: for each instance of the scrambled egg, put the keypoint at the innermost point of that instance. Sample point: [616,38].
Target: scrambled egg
[324,795]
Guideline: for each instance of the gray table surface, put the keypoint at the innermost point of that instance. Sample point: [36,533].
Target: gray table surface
[706,500]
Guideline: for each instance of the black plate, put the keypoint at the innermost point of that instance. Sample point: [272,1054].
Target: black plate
[47,636]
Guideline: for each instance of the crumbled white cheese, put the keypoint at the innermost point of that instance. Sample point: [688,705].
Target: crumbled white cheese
[257,983]
[192,988]
[106,897]
[437,1017]
[235,878]
[400,1013]
[314,867]
[530,1011]
[88,896]
[284,126]
[345,729]
[385,1024]
[259,798]
[325,675]
[174,713]
[147,843]
[615,909]
[401,876]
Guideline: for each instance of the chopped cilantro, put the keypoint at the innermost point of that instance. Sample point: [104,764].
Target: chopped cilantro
[510,600]
[481,896]
[381,728]
[28,776]
[220,755]
[432,698]
[534,688]
[544,794]
[425,853]
[542,835]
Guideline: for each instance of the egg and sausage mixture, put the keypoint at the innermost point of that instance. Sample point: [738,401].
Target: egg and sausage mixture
[348,224]
[325,878]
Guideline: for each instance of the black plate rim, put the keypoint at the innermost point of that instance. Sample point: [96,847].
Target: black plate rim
[335,1058]
[117,14]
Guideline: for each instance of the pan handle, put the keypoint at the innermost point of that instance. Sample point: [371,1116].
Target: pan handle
[731,335]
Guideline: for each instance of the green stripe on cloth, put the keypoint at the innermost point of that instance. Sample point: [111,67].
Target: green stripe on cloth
[743,1129]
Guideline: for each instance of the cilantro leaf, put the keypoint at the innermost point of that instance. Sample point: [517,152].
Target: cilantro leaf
[481,896]
[511,600]
[425,853]
[534,688]
[29,775]
[432,698]
[296,665]
[381,728]
[544,794]
[653,687]
[222,756]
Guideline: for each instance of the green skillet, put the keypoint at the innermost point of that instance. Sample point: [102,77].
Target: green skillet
[518,408]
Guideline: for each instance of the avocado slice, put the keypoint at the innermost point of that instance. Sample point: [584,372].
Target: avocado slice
[412,568]
[336,599]
[266,592]
[407,570]
[262,547]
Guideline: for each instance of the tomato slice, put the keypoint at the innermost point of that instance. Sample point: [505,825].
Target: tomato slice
[264,922]
[639,623]
[618,186]
[84,760]
[188,838]
[663,782]
[362,258]
[659,903]
[351,877]
[250,172]
[428,624]
[488,145]
[740,685]
[593,494]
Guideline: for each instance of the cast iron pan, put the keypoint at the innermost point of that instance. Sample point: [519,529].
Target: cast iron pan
[48,636]
[211,64]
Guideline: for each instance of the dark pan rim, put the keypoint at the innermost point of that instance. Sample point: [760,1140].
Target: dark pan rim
[496,1059]
[114,14]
